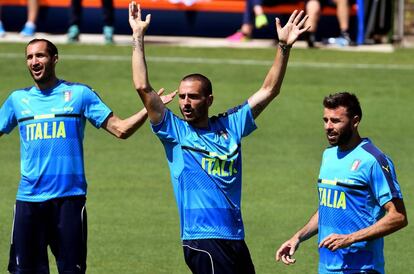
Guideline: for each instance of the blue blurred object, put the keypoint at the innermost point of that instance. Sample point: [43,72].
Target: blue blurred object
[28,30]
[360,38]
[108,33]
[2,31]
[73,34]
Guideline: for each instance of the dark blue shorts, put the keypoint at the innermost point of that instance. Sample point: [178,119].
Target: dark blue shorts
[217,256]
[59,223]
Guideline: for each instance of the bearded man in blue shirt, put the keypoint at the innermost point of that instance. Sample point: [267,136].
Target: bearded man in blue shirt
[360,200]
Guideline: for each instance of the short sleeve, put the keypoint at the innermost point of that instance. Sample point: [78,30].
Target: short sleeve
[240,119]
[94,109]
[170,127]
[384,182]
[8,120]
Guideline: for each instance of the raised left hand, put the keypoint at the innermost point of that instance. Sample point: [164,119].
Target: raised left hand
[293,28]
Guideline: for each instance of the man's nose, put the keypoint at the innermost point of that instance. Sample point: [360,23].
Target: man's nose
[328,125]
[34,61]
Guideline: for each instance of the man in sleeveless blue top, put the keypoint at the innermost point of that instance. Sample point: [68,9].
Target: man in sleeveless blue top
[360,199]
[204,153]
[50,202]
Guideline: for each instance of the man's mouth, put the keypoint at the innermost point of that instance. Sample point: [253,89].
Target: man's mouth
[331,135]
[187,111]
[37,71]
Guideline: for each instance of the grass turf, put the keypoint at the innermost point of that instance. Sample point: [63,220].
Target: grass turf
[133,220]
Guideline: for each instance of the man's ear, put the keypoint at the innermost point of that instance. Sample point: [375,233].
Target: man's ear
[355,121]
[55,59]
[210,99]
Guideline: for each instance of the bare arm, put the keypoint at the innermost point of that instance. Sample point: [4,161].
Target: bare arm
[149,97]
[288,248]
[274,78]
[124,128]
[395,219]
[1,133]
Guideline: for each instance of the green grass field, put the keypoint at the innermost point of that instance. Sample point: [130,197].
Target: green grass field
[132,216]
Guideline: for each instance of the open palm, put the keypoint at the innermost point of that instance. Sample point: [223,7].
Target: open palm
[135,20]
[293,28]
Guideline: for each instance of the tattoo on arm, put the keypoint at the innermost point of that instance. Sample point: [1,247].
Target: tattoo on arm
[136,43]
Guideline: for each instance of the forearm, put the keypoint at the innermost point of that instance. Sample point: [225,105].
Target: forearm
[139,64]
[133,123]
[309,230]
[271,85]
[274,77]
[395,219]
[149,97]
[391,222]
[272,82]
[124,128]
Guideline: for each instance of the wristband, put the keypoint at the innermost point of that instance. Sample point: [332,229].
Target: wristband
[285,48]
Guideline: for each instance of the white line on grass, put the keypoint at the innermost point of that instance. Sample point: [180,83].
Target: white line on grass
[214,61]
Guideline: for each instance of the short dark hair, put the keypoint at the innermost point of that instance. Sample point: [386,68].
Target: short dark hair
[50,47]
[206,86]
[344,99]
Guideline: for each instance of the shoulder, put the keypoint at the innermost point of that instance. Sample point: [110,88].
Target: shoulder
[21,90]
[230,111]
[171,118]
[18,93]
[372,155]
[372,151]
[329,150]
[81,86]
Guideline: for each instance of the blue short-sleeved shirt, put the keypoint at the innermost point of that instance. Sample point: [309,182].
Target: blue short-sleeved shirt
[205,166]
[51,124]
[353,186]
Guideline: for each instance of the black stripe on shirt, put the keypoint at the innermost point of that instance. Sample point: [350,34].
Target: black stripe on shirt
[55,115]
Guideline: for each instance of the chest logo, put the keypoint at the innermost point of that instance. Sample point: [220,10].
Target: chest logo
[355,165]
[67,95]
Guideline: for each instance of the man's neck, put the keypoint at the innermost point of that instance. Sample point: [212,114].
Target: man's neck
[47,85]
[353,143]
[200,124]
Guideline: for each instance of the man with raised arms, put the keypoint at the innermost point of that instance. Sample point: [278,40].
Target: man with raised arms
[204,153]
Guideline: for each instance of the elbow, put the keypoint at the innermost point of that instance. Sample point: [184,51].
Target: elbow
[143,88]
[404,221]
[401,221]
[122,136]
[272,91]
[276,92]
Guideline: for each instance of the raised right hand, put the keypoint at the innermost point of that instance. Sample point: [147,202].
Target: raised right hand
[137,25]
